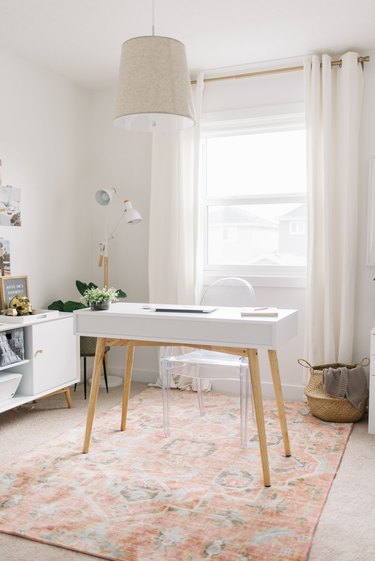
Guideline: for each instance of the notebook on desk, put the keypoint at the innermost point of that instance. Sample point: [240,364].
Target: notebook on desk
[259,312]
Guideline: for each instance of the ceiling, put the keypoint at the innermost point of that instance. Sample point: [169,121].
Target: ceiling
[81,39]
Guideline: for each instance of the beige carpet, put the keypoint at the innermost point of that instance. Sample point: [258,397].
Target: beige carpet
[345,530]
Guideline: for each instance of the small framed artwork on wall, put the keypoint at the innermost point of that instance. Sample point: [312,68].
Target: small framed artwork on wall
[4,257]
[10,206]
[11,287]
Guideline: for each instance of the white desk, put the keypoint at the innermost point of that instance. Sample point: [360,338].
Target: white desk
[224,330]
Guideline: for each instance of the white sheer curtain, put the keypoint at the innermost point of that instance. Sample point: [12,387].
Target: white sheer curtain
[173,240]
[333,109]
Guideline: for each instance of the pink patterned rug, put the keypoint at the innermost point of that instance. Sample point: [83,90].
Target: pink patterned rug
[195,496]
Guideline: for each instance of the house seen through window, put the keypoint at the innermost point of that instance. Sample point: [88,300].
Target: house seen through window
[254,197]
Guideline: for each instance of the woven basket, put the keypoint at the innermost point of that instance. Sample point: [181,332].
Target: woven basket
[323,405]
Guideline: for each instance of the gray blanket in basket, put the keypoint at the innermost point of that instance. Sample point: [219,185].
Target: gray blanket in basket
[346,382]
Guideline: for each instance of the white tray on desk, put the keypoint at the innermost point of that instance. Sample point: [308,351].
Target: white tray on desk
[37,314]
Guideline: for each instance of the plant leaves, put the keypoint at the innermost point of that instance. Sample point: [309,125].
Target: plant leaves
[121,293]
[70,306]
[83,286]
[57,305]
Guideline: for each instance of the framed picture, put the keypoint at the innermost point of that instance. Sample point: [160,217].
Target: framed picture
[4,257]
[10,206]
[10,287]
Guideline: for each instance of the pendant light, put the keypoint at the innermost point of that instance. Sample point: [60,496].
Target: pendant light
[154,90]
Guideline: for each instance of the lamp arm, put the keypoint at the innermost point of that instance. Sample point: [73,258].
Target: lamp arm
[112,234]
[103,249]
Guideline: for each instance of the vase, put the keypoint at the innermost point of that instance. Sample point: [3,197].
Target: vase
[100,305]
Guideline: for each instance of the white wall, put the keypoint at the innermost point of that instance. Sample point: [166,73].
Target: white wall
[122,159]
[44,127]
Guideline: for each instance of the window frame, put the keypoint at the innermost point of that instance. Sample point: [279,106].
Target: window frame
[261,275]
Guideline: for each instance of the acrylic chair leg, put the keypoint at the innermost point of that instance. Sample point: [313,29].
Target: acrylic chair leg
[198,377]
[165,372]
[84,377]
[105,374]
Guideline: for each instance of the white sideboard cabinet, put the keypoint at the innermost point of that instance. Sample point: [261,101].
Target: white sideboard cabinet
[51,359]
[371,401]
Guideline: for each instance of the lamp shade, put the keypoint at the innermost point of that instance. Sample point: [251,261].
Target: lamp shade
[154,90]
[132,215]
[104,196]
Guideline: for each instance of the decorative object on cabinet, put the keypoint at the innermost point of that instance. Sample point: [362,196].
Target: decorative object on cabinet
[10,206]
[36,314]
[11,287]
[4,257]
[325,406]
[21,305]
[131,215]
[154,89]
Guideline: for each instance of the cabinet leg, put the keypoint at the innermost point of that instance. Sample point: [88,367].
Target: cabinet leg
[68,397]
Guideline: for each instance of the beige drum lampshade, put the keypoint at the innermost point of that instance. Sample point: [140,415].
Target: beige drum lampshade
[154,90]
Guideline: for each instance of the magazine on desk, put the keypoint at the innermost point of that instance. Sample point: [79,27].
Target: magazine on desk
[265,311]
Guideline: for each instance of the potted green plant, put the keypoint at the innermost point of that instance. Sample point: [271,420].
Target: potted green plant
[70,305]
[99,298]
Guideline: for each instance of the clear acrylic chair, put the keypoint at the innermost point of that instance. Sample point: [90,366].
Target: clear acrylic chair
[229,291]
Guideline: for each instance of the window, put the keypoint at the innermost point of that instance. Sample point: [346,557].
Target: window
[254,197]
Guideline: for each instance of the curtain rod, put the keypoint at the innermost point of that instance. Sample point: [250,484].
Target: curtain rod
[361,60]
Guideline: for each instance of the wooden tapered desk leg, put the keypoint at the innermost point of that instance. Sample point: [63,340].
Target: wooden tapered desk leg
[272,356]
[99,354]
[127,382]
[259,415]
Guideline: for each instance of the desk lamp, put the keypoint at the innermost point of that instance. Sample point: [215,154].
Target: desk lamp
[131,216]
[103,197]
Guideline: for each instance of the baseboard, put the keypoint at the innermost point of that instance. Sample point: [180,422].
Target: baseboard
[290,391]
